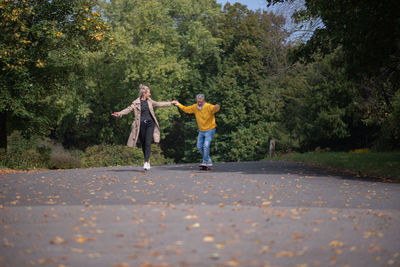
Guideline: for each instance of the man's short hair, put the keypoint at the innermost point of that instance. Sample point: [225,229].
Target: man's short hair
[201,96]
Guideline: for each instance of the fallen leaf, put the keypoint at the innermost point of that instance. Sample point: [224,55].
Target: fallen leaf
[374,248]
[94,255]
[191,217]
[266,204]
[48,260]
[208,239]
[214,256]
[77,250]
[265,249]
[335,243]
[121,264]
[296,236]
[367,234]
[57,240]
[162,216]
[219,246]
[337,251]
[232,262]
[285,254]
[80,239]
[7,243]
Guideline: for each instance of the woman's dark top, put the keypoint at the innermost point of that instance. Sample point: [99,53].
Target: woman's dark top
[145,111]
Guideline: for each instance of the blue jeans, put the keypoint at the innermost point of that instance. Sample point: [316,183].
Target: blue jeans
[204,142]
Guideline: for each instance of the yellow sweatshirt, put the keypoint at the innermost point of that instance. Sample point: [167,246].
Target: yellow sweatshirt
[205,117]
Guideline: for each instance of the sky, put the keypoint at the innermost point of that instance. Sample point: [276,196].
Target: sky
[251,4]
[262,4]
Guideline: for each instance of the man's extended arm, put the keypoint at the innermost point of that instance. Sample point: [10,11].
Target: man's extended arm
[185,109]
[215,108]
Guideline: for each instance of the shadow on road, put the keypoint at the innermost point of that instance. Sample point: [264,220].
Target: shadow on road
[126,170]
[275,168]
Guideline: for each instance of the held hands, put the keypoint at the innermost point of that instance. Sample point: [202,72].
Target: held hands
[115,114]
[174,102]
[216,107]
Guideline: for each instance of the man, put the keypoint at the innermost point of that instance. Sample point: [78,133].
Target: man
[204,113]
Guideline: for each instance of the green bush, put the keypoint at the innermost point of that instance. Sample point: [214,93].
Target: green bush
[61,158]
[64,161]
[113,155]
[37,152]
[25,153]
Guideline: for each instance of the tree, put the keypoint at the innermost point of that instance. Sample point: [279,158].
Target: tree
[41,47]
[368,32]
[320,108]
[166,45]
[252,59]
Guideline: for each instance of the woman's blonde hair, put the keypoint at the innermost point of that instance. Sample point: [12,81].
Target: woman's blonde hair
[142,90]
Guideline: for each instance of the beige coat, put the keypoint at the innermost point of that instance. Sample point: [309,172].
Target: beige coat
[135,107]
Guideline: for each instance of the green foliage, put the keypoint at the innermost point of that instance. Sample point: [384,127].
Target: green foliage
[367,32]
[25,153]
[42,43]
[67,65]
[389,138]
[157,43]
[245,87]
[111,155]
[64,161]
[320,106]
[34,152]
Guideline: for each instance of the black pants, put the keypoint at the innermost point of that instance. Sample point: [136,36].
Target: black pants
[146,137]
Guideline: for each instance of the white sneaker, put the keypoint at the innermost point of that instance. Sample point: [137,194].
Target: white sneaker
[209,163]
[146,166]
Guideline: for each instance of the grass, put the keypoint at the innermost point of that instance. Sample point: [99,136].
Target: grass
[378,164]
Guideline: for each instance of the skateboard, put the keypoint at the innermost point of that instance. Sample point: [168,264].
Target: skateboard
[204,168]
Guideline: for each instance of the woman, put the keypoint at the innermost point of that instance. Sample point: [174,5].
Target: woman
[145,126]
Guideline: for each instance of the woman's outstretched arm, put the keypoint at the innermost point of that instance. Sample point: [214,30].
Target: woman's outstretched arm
[125,111]
[160,104]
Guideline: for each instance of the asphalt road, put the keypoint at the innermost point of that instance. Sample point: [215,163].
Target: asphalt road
[238,214]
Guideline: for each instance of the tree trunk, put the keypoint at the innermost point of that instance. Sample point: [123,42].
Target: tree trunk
[3,130]
[272,148]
